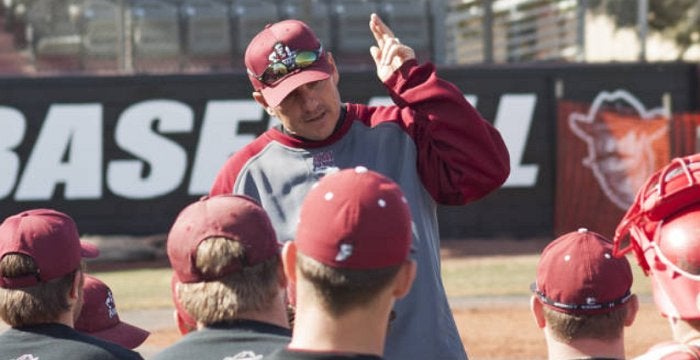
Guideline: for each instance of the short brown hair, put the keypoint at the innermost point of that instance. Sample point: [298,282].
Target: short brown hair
[343,289]
[248,289]
[38,304]
[569,327]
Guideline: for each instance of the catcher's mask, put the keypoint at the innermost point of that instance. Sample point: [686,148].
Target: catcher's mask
[662,228]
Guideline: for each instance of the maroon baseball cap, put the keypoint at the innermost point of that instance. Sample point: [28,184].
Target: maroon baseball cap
[50,238]
[99,316]
[578,274]
[235,217]
[281,45]
[355,219]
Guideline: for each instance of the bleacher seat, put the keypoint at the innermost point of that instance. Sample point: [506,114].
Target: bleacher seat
[156,36]
[317,15]
[54,32]
[208,29]
[101,27]
[353,35]
[249,17]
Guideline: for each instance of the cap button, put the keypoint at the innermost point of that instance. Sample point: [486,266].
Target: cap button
[582,230]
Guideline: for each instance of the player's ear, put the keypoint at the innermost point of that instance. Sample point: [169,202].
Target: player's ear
[537,311]
[260,99]
[289,260]
[335,76]
[632,309]
[404,278]
[76,289]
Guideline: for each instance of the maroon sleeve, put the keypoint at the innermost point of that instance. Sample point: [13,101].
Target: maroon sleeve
[461,157]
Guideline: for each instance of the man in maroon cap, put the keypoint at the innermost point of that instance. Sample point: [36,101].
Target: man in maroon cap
[229,279]
[432,142]
[41,290]
[349,262]
[582,297]
[99,316]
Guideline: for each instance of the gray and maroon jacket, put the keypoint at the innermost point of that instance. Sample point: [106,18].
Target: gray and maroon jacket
[433,143]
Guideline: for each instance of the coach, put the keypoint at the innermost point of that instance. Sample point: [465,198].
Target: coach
[433,143]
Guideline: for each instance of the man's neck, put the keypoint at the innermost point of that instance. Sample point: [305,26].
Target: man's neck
[357,332]
[275,314]
[586,349]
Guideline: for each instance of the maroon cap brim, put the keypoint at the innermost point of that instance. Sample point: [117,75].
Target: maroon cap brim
[88,250]
[124,334]
[277,92]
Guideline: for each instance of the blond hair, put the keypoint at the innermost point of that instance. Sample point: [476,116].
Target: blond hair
[568,327]
[37,304]
[251,288]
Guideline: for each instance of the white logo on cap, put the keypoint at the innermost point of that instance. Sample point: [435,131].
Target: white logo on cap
[28,357]
[244,355]
[344,253]
[590,300]
[111,308]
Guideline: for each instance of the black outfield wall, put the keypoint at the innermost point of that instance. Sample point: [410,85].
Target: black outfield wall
[123,155]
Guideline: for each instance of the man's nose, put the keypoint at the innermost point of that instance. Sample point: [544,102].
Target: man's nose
[308,98]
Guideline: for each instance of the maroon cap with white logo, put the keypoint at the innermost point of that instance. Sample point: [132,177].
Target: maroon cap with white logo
[280,47]
[99,317]
[355,219]
[578,274]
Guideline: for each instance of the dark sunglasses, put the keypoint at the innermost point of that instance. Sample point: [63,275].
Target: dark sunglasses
[281,68]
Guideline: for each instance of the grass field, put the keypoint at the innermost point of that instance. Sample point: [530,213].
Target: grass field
[478,276]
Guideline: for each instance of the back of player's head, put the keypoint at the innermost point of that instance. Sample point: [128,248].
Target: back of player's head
[662,228]
[583,287]
[354,233]
[40,257]
[224,249]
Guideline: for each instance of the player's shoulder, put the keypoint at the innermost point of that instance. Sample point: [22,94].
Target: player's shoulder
[671,351]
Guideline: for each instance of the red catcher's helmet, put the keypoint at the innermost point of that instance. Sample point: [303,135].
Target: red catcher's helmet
[662,227]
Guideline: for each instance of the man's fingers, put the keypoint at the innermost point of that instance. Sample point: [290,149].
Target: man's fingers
[376,30]
[374,51]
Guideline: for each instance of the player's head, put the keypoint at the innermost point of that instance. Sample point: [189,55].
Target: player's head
[99,316]
[662,228]
[352,241]
[294,78]
[40,267]
[223,250]
[582,291]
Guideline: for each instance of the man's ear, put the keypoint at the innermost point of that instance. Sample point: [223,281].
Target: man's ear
[260,99]
[335,76]
[77,286]
[404,278]
[632,309]
[289,260]
[537,311]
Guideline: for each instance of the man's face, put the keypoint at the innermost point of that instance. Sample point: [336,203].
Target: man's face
[311,111]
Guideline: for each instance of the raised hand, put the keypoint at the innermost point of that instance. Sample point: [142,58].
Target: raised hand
[389,53]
